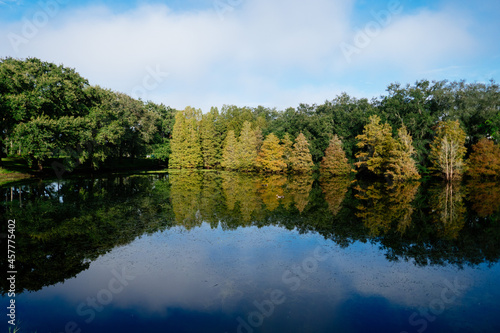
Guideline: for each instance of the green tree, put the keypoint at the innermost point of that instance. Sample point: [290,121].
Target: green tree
[247,148]
[335,162]
[301,158]
[229,153]
[270,158]
[401,163]
[161,149]
[211,145]
[33,90]
[376,143]
[287,149]
[185,145]
[448,150]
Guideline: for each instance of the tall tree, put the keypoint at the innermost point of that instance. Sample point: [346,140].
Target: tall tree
[186,147]
[211,145]
[161,149]
[229,153]
[376,143]
[402,166]
[178,144]
[335,162]
[247,148]
[448,150]
[287,149]
[270,157]
[484,161]
[301,158]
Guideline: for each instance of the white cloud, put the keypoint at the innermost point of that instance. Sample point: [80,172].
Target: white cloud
[275,53]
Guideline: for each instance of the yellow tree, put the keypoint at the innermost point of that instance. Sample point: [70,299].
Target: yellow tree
[335,162]
[376,142]
[448,150]
[401,163]
[270,158]
[186,146]
[229,153]
[247,148]
[301,159]
[484,160]
[179,141]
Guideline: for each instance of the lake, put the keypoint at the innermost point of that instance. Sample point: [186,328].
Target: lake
[230,252]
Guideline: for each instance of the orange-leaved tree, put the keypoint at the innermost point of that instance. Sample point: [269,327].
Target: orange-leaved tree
[270,158]
[301,158]
[484,161]
[335,162]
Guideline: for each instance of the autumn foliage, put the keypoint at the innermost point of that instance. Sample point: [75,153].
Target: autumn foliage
[484,160]
[335,162]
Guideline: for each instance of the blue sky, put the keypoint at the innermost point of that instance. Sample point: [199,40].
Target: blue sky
[276,53]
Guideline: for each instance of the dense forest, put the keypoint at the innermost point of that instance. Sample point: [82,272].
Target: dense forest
[50,113]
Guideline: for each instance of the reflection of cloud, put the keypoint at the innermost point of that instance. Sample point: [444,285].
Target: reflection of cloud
[210,270]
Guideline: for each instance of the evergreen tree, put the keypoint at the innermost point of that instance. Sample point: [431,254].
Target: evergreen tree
[448,150]
[186,147]
[301,158]
[376,143]
[229,153]
[287,149]
[178,144]
[401,163]
[247,148]
[335,162]
[270,157]
[210,140]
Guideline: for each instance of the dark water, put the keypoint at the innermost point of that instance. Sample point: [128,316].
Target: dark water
[209,252]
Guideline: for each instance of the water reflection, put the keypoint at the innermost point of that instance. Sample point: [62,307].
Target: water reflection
[429,223]
[448,209]
[204,247]
[382,206]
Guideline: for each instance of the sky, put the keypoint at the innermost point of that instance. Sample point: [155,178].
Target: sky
[274,53]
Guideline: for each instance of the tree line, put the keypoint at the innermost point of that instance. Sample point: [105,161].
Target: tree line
[444,128]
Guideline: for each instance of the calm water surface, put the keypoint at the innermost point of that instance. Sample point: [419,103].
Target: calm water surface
[225,252]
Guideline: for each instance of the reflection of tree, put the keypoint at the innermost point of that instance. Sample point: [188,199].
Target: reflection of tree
[485,197]
[448,209]
[211,198]
[272,191]
[240,190]
[335,189]
[381,206]
[62,227]
[300,186]
[186,198]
